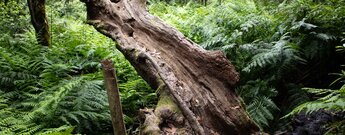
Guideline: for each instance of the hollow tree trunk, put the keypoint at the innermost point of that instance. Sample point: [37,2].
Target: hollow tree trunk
[200,82]
[39,21]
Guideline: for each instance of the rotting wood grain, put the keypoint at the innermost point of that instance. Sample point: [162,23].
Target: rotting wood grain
[201,82]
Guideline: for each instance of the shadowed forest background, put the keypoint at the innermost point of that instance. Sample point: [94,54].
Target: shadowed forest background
[289,53]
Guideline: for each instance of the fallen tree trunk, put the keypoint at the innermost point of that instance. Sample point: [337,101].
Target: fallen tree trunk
[199,82]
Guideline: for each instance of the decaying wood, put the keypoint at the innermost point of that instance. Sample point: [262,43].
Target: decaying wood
[39,21]
[113,93]
[165,119]
[200,82]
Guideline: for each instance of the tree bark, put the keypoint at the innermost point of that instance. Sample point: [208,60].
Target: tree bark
[113,93]
[39,21]
[201,83]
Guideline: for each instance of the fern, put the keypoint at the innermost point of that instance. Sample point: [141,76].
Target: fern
[335,128]
[332,100]
[327,99]
[281,53]
[280,43]
[257,95]
[60,90]
[63,130]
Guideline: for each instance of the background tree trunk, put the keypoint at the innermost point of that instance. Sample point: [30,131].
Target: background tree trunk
[200,82]
[39,21]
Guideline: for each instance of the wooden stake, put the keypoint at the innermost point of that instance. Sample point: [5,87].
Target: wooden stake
[110,82]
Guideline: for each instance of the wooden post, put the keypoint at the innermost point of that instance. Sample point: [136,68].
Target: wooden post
[113,97]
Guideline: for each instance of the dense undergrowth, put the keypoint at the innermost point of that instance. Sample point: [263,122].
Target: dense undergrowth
[60,89]
[278,47]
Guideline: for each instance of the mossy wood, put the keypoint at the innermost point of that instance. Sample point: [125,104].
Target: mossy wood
[39,21]
[200,82]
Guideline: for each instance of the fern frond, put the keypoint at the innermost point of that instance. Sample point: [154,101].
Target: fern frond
[334,100]
[63,130]
[257,95]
